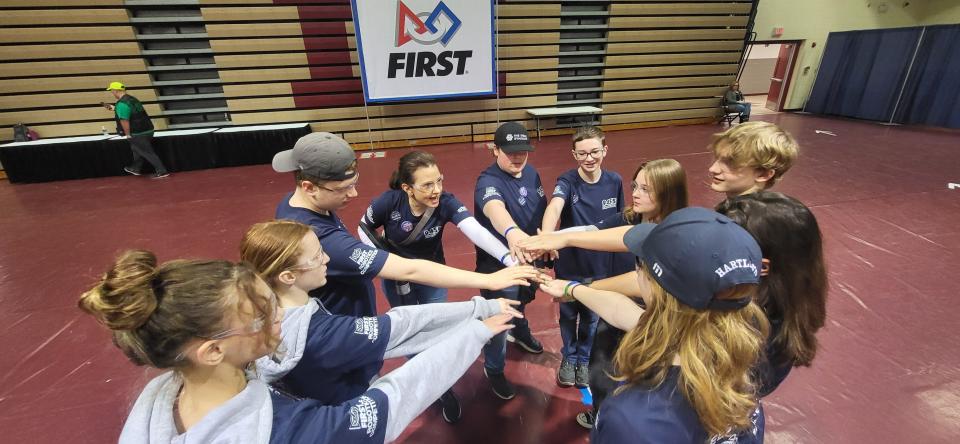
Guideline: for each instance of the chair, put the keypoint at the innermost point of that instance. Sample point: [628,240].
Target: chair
[727,116]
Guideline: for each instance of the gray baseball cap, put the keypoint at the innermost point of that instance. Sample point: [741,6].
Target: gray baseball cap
[321,155]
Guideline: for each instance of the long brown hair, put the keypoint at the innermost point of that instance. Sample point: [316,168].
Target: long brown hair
[795,290]
[716,350]
[154,311]
[273,247]
[668,181]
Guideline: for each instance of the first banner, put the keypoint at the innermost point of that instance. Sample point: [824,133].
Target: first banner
[425,49]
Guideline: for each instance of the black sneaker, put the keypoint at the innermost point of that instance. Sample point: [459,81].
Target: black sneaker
[528,343]
[583,375]
[566,375]
[501,387]
[585,419]
[129,170]
[161,175]
[450,407]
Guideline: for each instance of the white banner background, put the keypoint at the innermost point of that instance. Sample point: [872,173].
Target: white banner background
[376,23]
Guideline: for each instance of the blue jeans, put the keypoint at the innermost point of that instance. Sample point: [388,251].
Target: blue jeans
[577,340]
[495,352]
[742,108]
[419,294]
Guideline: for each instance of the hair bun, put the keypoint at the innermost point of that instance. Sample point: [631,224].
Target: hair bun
[125,297]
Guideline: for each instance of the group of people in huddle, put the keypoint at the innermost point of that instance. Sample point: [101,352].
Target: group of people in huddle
[679,319]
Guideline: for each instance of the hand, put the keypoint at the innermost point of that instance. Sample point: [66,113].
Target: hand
[543,243]
[506,306]
[107,105]
[498,323]
[512,276]
[555,288]
[513,237]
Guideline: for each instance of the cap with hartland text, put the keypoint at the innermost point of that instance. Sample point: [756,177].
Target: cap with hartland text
[695,254]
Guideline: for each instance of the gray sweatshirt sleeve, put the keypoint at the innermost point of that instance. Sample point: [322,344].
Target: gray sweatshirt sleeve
[415,328]
[411,388]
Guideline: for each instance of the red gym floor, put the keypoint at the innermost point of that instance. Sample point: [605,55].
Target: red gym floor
[889,363]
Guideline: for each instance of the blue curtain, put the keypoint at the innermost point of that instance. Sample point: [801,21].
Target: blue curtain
[932,93]
[861,73]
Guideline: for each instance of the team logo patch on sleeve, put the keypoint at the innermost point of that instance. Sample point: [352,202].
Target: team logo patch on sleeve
[363,415]
[461,209]
[370,214]
[606,204]
[363,258]
[558,190]
[368,327]
[490,192]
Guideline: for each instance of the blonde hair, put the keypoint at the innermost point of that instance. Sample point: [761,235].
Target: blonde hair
[273,247]
[669,183]
[760,145]
[155,311]
[716,349]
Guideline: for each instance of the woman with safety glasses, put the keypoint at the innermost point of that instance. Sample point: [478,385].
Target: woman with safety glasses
[413,213]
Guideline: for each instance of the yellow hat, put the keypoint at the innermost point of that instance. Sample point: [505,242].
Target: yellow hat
[116,85]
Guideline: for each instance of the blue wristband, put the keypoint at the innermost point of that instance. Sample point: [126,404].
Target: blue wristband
[505,255]
[508,230]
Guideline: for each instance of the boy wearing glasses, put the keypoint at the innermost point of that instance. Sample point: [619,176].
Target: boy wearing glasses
[326,180]
[583,196]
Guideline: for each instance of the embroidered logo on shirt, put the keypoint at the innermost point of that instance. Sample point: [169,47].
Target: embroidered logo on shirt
[522,200]
[395,216]
[461,209]
[367,326]
[540,190]
[490,192]
[609,203]
[431,232]
[363,415]
[523,191]
[364,258]
[576,198]
[406,226]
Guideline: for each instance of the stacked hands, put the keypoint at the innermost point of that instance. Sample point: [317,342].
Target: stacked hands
[525,248]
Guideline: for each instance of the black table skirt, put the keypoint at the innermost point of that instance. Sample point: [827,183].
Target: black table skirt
[102,158]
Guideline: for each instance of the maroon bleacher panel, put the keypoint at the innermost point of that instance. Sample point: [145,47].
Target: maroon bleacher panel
[324,12]
[330,72]
[323,28]
[328,58]
[324,100]
[317,43]
[326,86]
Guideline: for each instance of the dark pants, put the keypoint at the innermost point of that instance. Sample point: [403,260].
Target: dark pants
[577,339]
[142,148]
[605,343]
[495,352]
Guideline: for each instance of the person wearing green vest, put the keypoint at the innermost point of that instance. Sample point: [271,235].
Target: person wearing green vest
[134,123]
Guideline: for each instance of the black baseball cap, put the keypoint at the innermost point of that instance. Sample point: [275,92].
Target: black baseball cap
[511,137]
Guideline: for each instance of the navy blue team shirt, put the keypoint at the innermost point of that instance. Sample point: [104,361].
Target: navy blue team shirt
[523,197]
[353,264]
[341,356]
[391,210]
[361,420]
[587,204]
[660,415]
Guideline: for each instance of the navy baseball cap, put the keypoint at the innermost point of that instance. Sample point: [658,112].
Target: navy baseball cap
[511,137]
[696,253]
